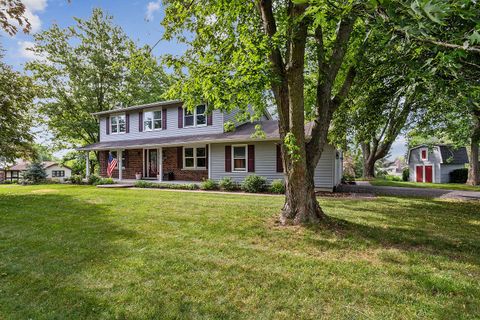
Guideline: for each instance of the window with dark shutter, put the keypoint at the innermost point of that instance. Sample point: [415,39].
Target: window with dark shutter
[180,117]
[279,159]
[228,158]
[251,158]
[164,119]
[107,125]
[180,157]
[140,121]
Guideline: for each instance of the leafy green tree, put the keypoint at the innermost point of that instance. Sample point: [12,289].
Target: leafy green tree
[35,173]
[12,16]
[16,103]
[296,55]
[91,67]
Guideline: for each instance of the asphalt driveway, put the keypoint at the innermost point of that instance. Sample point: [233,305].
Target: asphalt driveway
[365,187]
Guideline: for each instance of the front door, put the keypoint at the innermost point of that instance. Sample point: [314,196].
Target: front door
[429,174]
[419,171]
[151,163]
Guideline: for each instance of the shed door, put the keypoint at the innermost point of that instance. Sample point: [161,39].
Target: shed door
[419,172]
[428,174]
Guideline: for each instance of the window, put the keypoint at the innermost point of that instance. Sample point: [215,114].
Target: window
[424,154]
[117,124]
[195,158]
[152,120]
[239,158]
[197,117]
[58,173]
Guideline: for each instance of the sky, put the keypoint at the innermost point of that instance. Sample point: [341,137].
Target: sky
[139,19]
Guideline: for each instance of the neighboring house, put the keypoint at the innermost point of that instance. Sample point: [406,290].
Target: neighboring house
[2,174]
[53,169]
[394,168]
[162,141]
[434,164]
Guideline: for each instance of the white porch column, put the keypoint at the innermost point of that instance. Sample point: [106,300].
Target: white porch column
[87,155]
[209,161]
[160,166]
[120,164]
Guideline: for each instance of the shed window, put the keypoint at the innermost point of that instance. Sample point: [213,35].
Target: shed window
[424,154]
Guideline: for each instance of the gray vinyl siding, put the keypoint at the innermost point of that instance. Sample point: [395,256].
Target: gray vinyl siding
[231,116]
[172,127]
[265,164]
[446,169]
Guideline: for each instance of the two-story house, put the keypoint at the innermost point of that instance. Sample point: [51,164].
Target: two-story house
[162,141]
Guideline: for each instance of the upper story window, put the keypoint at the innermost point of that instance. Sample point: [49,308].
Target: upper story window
[239,158]
[118,124]
[197,117]
[424,154]
[152,120]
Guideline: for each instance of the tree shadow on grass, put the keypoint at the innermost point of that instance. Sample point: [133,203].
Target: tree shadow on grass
[67,257]
[431,226]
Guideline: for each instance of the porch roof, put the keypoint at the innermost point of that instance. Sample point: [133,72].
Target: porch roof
[241,133]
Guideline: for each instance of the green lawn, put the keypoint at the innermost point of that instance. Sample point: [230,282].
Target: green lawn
[448,186]
[76,252]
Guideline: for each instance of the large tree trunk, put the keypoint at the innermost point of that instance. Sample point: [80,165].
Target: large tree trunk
[369,168]
[301,205]
[473,170]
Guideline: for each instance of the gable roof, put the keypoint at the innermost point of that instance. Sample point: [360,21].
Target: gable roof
[449,154]
[22,165]
[242,133]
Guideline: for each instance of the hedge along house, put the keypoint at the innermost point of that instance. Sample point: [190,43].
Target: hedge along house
[434,164]
[164,142]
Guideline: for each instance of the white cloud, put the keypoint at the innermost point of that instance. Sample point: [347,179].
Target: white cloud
[35,5]
[32,7]
[23,51]
[152,7]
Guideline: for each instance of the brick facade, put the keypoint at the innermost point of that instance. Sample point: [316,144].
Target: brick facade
[170,164]
[134,164]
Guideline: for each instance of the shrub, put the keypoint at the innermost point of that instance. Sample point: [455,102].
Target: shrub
[347,178]
[459,175]
[277,186]
[254,184]
[406,174]
[76,179]
[103,181]
[392,178]
[35,173]
[228,184]
[208,184]
[92,179]
[144,184]
[9,182]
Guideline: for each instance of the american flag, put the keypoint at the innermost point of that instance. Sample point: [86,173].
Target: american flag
[112,163]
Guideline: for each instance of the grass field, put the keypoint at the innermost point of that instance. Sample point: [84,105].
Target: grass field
[78,252]
[447,186]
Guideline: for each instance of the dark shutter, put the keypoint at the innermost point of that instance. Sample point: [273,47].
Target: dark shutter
[279,159]
[251,158]
[206,156]
[140,121]
[228,158]
[127,123]
[179,157]
[164,119]
[180,117]
[107,127]
[209,119]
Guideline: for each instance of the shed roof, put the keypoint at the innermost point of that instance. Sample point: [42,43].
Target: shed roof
[448,153]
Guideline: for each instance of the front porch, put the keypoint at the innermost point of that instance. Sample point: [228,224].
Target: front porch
[179,164]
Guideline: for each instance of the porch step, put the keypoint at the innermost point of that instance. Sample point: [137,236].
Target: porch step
[117,185]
